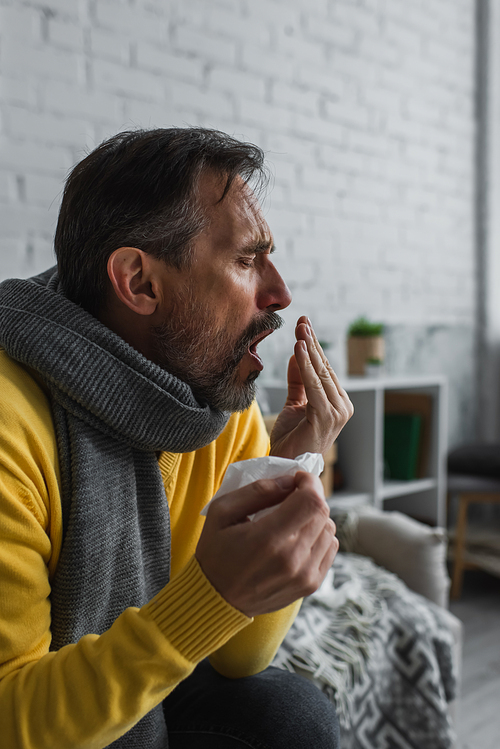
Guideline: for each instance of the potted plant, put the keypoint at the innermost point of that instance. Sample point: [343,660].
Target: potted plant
[365,342]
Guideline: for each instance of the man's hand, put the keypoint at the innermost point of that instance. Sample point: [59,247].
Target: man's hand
[265,565]
[317,406]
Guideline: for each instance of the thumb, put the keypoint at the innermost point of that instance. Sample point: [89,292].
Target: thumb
[235,506]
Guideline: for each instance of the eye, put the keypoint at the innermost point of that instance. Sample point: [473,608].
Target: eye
[247,262]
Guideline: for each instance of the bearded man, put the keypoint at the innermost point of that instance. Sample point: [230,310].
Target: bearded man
[127,379]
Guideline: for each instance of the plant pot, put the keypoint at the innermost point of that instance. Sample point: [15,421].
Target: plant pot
[360,349]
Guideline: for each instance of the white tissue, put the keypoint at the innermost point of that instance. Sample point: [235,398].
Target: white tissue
[245,472]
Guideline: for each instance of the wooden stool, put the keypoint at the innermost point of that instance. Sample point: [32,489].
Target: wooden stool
[470,490]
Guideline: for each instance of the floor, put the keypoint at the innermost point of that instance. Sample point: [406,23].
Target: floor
[479,610]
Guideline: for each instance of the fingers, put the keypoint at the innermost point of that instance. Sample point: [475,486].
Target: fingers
[325,549]
[263,566]
[320,380]
[303,513]
[235,507]
[322,366]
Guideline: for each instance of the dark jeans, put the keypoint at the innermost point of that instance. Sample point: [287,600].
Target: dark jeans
[271,710]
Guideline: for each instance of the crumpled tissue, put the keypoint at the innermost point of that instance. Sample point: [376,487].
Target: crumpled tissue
[245,472]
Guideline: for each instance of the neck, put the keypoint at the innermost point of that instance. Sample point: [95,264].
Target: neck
[133,328]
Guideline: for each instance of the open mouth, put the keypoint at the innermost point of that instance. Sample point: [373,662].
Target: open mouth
[253,346]
[252,349]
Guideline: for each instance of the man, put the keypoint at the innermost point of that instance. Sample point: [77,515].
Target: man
[127,381]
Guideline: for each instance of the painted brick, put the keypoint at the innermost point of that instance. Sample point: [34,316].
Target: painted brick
[192,99]
[11,254]
[238,26]
[18,91]
[334,34]
[64,7]
[21,23]
[47,128]
[360,209]
[119,80]
[128,19]
[349,113]
[66,34]
[7,186]
[75,101]
[296,45]
[175,66]
[212,48]
[300,98]
[16,218]
[138,113]
[401,35]
[17,154]
[314,128]
[388,54]
[267,62]
[39,62]
[331,182]
[360,19]
[275,14]
[43,254]
[236,81]
[284,171]
[193,13]
[44,190]
[284,221]
[108,45]
[257,112]
[365,110]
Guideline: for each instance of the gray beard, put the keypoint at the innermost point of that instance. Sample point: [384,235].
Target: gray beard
[188,347]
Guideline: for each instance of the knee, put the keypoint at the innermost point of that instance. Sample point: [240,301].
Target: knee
[300,715]
[274,708]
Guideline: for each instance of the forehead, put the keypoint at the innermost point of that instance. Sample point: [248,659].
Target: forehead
[238,218]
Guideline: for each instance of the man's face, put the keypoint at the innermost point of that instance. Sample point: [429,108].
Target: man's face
[219,308]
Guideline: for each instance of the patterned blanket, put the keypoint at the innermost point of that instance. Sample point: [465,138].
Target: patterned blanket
[381,653]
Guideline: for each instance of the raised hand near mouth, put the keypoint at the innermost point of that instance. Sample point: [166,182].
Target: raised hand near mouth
[317,406]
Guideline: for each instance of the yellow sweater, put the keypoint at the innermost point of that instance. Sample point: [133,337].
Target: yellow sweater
[89,693]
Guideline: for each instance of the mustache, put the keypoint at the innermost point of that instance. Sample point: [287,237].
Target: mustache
[261,324]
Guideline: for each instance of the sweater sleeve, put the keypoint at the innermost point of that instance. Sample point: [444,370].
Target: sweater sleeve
[89,693]
[253,648]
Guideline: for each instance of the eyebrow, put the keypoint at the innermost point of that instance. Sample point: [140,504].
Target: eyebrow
[260,247]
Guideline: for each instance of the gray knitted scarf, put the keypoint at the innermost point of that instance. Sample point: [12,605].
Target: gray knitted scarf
[113,411]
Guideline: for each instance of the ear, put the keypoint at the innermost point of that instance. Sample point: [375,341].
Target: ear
[132,276]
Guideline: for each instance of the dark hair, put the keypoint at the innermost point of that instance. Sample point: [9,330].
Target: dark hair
[139,189]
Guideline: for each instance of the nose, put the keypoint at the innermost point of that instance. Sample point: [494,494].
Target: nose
[273,293]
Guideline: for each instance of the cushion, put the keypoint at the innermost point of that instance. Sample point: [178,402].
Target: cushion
[413,551]
[476,460]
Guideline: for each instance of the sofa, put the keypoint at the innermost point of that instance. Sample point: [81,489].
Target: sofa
[377,637]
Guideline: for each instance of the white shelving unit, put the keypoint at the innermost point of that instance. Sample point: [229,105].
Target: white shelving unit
[360,448]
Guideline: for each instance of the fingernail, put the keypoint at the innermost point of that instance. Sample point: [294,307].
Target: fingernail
[285,482]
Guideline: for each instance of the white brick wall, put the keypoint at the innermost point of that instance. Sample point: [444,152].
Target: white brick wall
[364,107]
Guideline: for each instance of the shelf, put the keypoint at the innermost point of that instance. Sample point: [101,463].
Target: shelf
[361,446]
[360,384]
[400,488]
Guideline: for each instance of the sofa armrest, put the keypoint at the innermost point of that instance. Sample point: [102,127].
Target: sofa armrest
[415,552]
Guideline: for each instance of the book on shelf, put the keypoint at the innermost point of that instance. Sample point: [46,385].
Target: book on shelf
[407,434]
